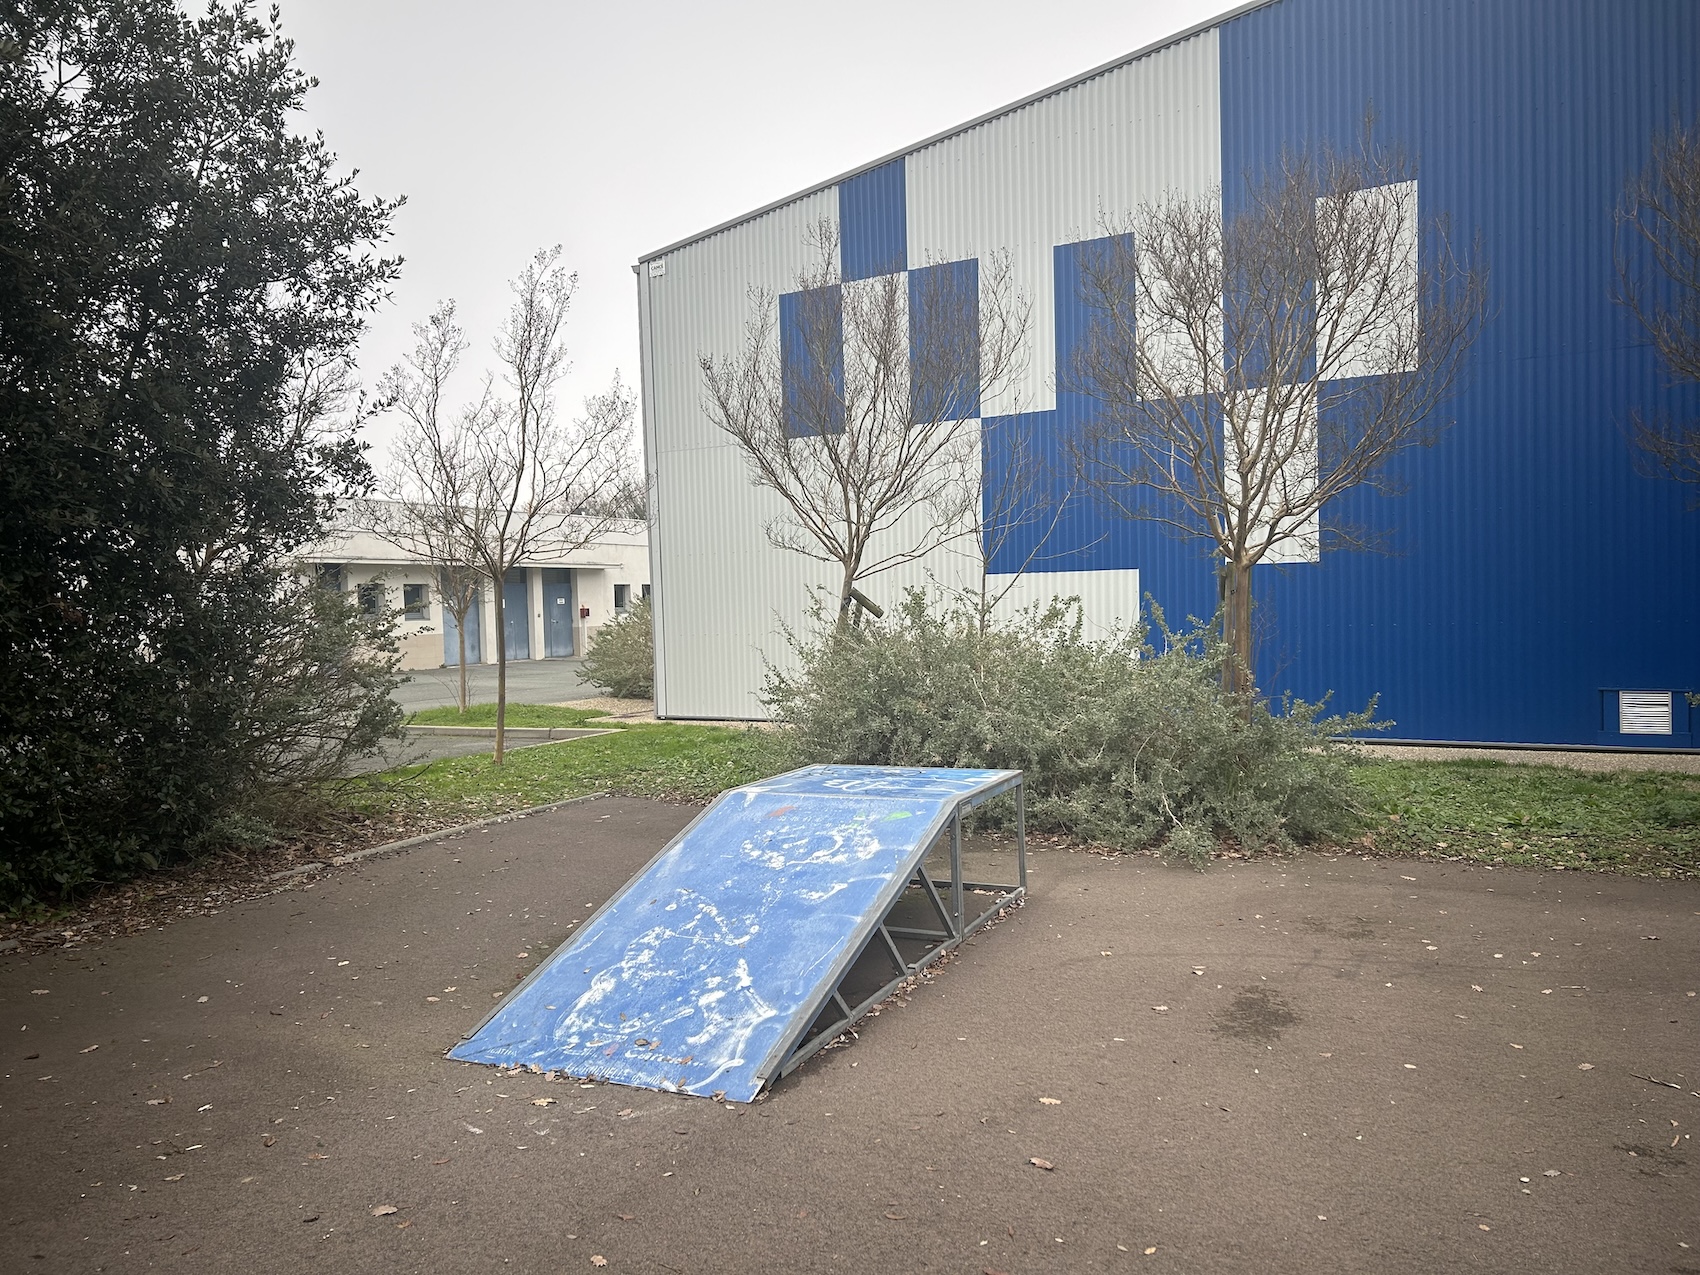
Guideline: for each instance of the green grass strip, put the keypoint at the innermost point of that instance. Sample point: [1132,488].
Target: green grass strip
[676,763]
[1644,822]
[518,715]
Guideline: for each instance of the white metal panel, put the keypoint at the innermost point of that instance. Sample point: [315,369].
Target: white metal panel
[721,591]
[1063,169]
[1375,316]
[1109,600]
[1285,487]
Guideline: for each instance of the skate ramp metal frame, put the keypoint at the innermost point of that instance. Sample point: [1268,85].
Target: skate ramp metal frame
[778,918]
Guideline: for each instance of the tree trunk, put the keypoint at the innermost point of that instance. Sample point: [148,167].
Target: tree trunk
[501,674]
[1235,596]
[844,599]
[460,632]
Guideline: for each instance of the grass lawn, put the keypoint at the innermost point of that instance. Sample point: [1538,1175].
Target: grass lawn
[1634,821]
[679,763]
[518,715]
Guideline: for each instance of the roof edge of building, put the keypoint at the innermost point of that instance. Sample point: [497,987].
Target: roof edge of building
[1063,86]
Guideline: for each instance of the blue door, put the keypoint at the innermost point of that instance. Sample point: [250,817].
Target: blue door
[451,633]
[557,611]
[516,615]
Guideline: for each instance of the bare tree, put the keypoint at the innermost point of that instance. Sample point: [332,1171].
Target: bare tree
[428,479]
[506,479]
[1248,367]
[857,403]
[1658,265]
[537,483]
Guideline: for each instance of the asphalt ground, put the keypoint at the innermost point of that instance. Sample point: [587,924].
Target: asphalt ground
[1312,1064]
[529,682]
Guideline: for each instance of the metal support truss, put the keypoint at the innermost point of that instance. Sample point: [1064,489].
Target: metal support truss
[946,900]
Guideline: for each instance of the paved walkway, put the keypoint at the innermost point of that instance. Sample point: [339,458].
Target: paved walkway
[1310,1065]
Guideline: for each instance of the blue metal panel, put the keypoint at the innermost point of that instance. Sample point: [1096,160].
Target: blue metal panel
[873,225]
[944,319]
[557,611]
[516,615]
[811,331]
[1531,566]
[451,633]
[715,958]
[1088,535]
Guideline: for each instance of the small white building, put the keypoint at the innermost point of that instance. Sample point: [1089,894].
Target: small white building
[553,602]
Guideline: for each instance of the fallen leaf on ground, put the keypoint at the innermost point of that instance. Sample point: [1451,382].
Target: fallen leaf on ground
[1584,1066]
[89,1050]
[625,1113]
[384,1210]
[471,1128]
[1551,1173]
[175,1177]
[444,1160]
[596,1259]
[158,1102]
[314,1155]
[1051,1102]
[1161,1009]
[1038,1163]
[626,1217]
[543,1102]
[1150,1250]
[1483,1226]
[1515,1045]
[402,1226]
[268,1141]
[897,1217]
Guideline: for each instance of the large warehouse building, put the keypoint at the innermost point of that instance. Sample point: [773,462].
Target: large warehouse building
[1536,585]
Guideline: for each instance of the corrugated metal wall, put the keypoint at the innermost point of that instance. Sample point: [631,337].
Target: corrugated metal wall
[1020,183]
[1531,571]
[1531,568]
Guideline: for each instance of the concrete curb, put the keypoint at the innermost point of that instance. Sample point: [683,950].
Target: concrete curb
[343,860]
[515,733]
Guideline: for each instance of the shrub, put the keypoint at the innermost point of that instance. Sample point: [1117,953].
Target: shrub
[1122,743]
[220,735]
[621,658]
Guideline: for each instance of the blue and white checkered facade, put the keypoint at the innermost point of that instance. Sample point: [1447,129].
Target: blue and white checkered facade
[1532,575]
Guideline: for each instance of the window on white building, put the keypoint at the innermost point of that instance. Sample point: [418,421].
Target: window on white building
[416,601]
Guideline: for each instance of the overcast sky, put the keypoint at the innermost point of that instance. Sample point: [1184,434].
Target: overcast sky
[615,129]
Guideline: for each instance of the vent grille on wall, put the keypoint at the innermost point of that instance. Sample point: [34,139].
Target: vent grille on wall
[1644,712]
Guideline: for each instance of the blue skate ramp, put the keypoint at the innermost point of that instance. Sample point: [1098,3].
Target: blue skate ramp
[705,973]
